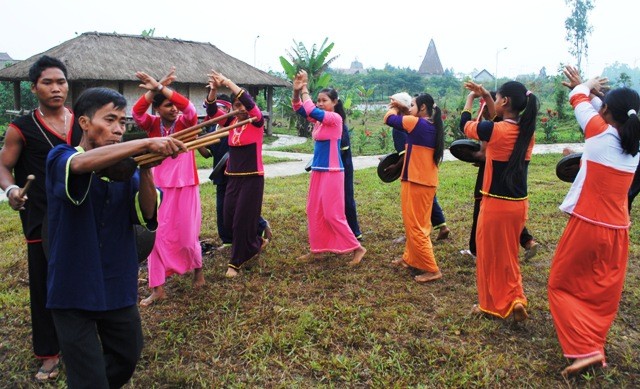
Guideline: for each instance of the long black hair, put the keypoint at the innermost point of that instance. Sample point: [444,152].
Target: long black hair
[619,102]
[525,103]
[436,116]
[339,107]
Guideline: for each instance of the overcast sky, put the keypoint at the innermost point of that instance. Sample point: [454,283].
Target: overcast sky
[468,35]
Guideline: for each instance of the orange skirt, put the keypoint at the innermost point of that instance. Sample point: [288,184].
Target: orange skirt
[585,285]
[497,269]
[417,201]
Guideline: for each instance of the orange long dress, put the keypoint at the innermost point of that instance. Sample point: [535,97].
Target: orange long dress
[588,268]
[502,216]
[418,187]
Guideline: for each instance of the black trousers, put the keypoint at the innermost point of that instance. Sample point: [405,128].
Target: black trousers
[242,208]
[100,349]
[226,235]
[44,338]
[349,201]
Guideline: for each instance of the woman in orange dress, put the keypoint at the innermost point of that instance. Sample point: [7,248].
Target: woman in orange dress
[589,266]
[504,189]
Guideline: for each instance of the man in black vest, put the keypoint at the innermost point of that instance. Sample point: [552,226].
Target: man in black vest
[28,140]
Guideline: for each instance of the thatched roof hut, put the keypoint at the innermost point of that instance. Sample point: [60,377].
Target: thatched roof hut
[111,60]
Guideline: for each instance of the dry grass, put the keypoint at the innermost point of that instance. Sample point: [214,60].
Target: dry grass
[321,324]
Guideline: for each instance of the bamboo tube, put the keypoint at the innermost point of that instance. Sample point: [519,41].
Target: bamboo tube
[205,140]
[201,141]
[194,130]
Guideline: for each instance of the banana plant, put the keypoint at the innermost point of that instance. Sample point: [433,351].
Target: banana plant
[315,63]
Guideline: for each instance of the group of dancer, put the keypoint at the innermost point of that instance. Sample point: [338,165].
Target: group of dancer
[588,268]
[96,324]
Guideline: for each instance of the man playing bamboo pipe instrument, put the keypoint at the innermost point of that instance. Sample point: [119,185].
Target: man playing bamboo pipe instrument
[93,266]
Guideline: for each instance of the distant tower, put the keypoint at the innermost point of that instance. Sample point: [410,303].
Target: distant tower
[431,65]
[356,67]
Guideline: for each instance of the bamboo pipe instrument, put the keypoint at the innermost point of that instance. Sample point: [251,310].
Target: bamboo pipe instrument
[205,140]
[192,131]
[27,184]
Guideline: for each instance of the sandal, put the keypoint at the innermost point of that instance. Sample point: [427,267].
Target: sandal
[48,374]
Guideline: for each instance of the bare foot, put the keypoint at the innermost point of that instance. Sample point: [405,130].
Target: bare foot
[400,263]
[358,254]
[444,233]
[224,247]
[265,242]
[49,370]
[566,151]
[231,273]
[428,277]
[530,249]
[267,232]
[306,257]
[519,313]
[400,240]
[157,294]
[475,310]
[582,363]
[198,278]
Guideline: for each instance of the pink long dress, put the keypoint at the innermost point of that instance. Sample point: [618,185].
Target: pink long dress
[177,246]
[328,227]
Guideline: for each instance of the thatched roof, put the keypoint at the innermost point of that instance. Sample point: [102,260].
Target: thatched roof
[431,63]
[95,56]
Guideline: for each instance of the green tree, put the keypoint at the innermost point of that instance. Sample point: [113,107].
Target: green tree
[615,71]
[624,80]
[577,27]
[315,62]
[28,101]
[560,96]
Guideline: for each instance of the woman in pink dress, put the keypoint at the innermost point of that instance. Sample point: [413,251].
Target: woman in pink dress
[177,247]
[328,227]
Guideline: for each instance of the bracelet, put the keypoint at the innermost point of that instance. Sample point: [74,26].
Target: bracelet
[304,93]
[206,100]
[159,87]
[9,189]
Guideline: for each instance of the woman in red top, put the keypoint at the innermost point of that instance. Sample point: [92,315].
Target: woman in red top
[177,247]
[245,188]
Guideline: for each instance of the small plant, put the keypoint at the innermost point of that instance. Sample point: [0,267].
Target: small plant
[363,138]
[548,123]
[383,138]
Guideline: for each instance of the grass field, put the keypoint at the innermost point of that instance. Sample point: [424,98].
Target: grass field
[322,324]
